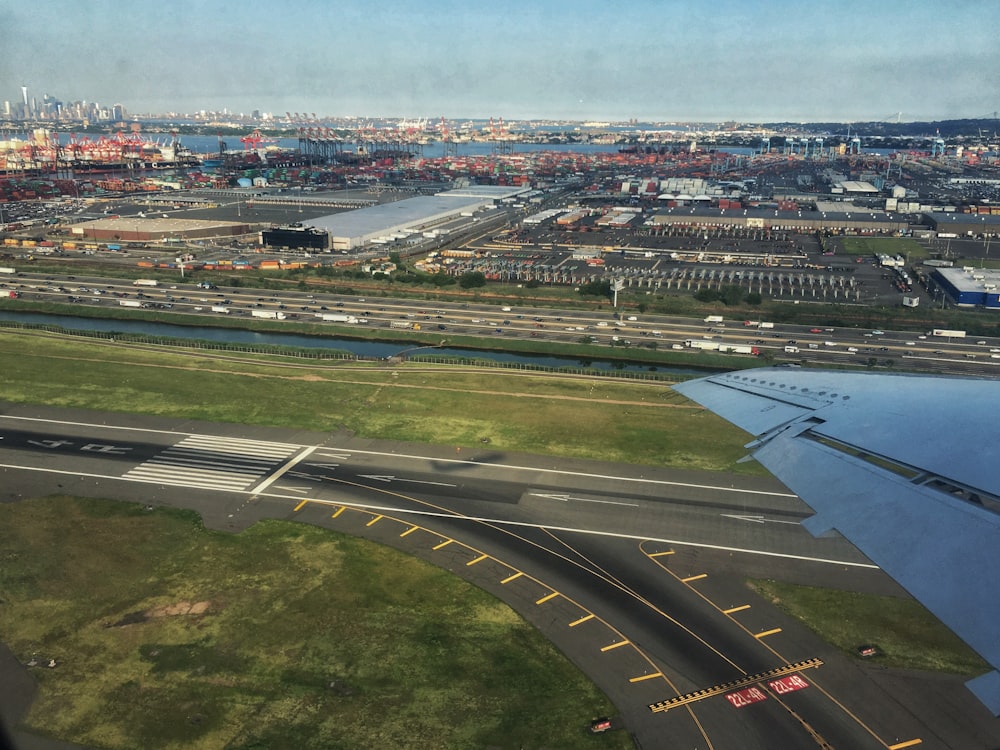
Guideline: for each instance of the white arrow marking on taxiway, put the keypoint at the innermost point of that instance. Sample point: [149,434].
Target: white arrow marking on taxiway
[757,519]
[391,478]
[567,498]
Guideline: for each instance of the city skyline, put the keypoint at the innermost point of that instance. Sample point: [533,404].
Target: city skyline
[651,61]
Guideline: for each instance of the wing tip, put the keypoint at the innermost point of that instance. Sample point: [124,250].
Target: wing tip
[987,689]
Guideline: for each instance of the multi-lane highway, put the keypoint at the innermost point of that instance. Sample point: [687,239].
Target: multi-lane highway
[636,573]
[784,342]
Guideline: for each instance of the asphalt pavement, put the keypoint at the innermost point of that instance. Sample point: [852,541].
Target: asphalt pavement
[635,573]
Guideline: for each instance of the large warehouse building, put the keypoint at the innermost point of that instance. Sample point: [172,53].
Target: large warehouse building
[355,229]
[965,225]
[138,229]
[970,287]
[850,220]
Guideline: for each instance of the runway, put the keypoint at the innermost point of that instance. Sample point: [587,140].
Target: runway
[636,573]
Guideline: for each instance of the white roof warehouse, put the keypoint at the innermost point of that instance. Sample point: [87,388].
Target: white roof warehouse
[357,228]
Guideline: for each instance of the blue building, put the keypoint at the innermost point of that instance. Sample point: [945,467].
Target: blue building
[970,287]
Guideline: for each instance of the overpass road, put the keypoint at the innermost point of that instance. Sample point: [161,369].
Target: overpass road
[636,573]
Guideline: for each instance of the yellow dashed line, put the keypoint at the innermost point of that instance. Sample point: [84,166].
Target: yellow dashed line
[908,743]
[340,510]
[661,554]
[694,578]
[547,597]
[735,609]
[478,560]
[612,646]
[510,578]
[646,677]
[410,530]
[445,543]
[581,620]
[300,506]
[374,521]
[768,632]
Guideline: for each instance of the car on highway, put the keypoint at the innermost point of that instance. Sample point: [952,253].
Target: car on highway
[815,330]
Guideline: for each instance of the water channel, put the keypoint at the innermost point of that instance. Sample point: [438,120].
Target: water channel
[376,349]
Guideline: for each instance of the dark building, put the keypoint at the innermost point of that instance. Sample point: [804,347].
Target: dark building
[295,237]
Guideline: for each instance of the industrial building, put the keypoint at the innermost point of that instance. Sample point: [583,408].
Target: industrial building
[355,229]
[964,225]
[970,287]
[296,236]
[139,229]
[852,220]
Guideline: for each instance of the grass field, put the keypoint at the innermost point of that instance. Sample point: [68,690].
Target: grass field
[870,246]
[598,418]
[906,634]
[280,637]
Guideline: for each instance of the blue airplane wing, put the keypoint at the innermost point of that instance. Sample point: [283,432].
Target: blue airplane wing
[906,467]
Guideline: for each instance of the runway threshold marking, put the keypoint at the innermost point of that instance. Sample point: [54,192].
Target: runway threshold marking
[697,695]
[908,743]
[291,464]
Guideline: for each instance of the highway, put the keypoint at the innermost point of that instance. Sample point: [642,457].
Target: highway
[782,342]
[636,573]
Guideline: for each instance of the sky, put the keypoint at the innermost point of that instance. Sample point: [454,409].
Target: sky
[652,60]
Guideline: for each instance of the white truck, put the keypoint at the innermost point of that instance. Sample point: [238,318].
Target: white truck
[714,319]
[130,303]
[268,314]
[766,325]
[145,282]
[8,269]
[337,318]
[220,309]
[739,349]
[702,344]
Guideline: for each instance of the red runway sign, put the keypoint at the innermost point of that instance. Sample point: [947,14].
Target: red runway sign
[743,698]
[788,684]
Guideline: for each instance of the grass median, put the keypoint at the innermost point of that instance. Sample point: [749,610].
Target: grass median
[904,633]
[283,636]
[583,417]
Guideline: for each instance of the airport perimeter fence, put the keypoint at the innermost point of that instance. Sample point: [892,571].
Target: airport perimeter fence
[320,355]
[529,367]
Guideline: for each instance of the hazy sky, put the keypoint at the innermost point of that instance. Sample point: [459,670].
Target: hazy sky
[661,60]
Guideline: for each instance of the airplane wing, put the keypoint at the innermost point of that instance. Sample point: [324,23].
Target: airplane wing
[906,467]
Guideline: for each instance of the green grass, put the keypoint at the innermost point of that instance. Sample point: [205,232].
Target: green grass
[912,250]
[594,418]
[300,645]
[906,634]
